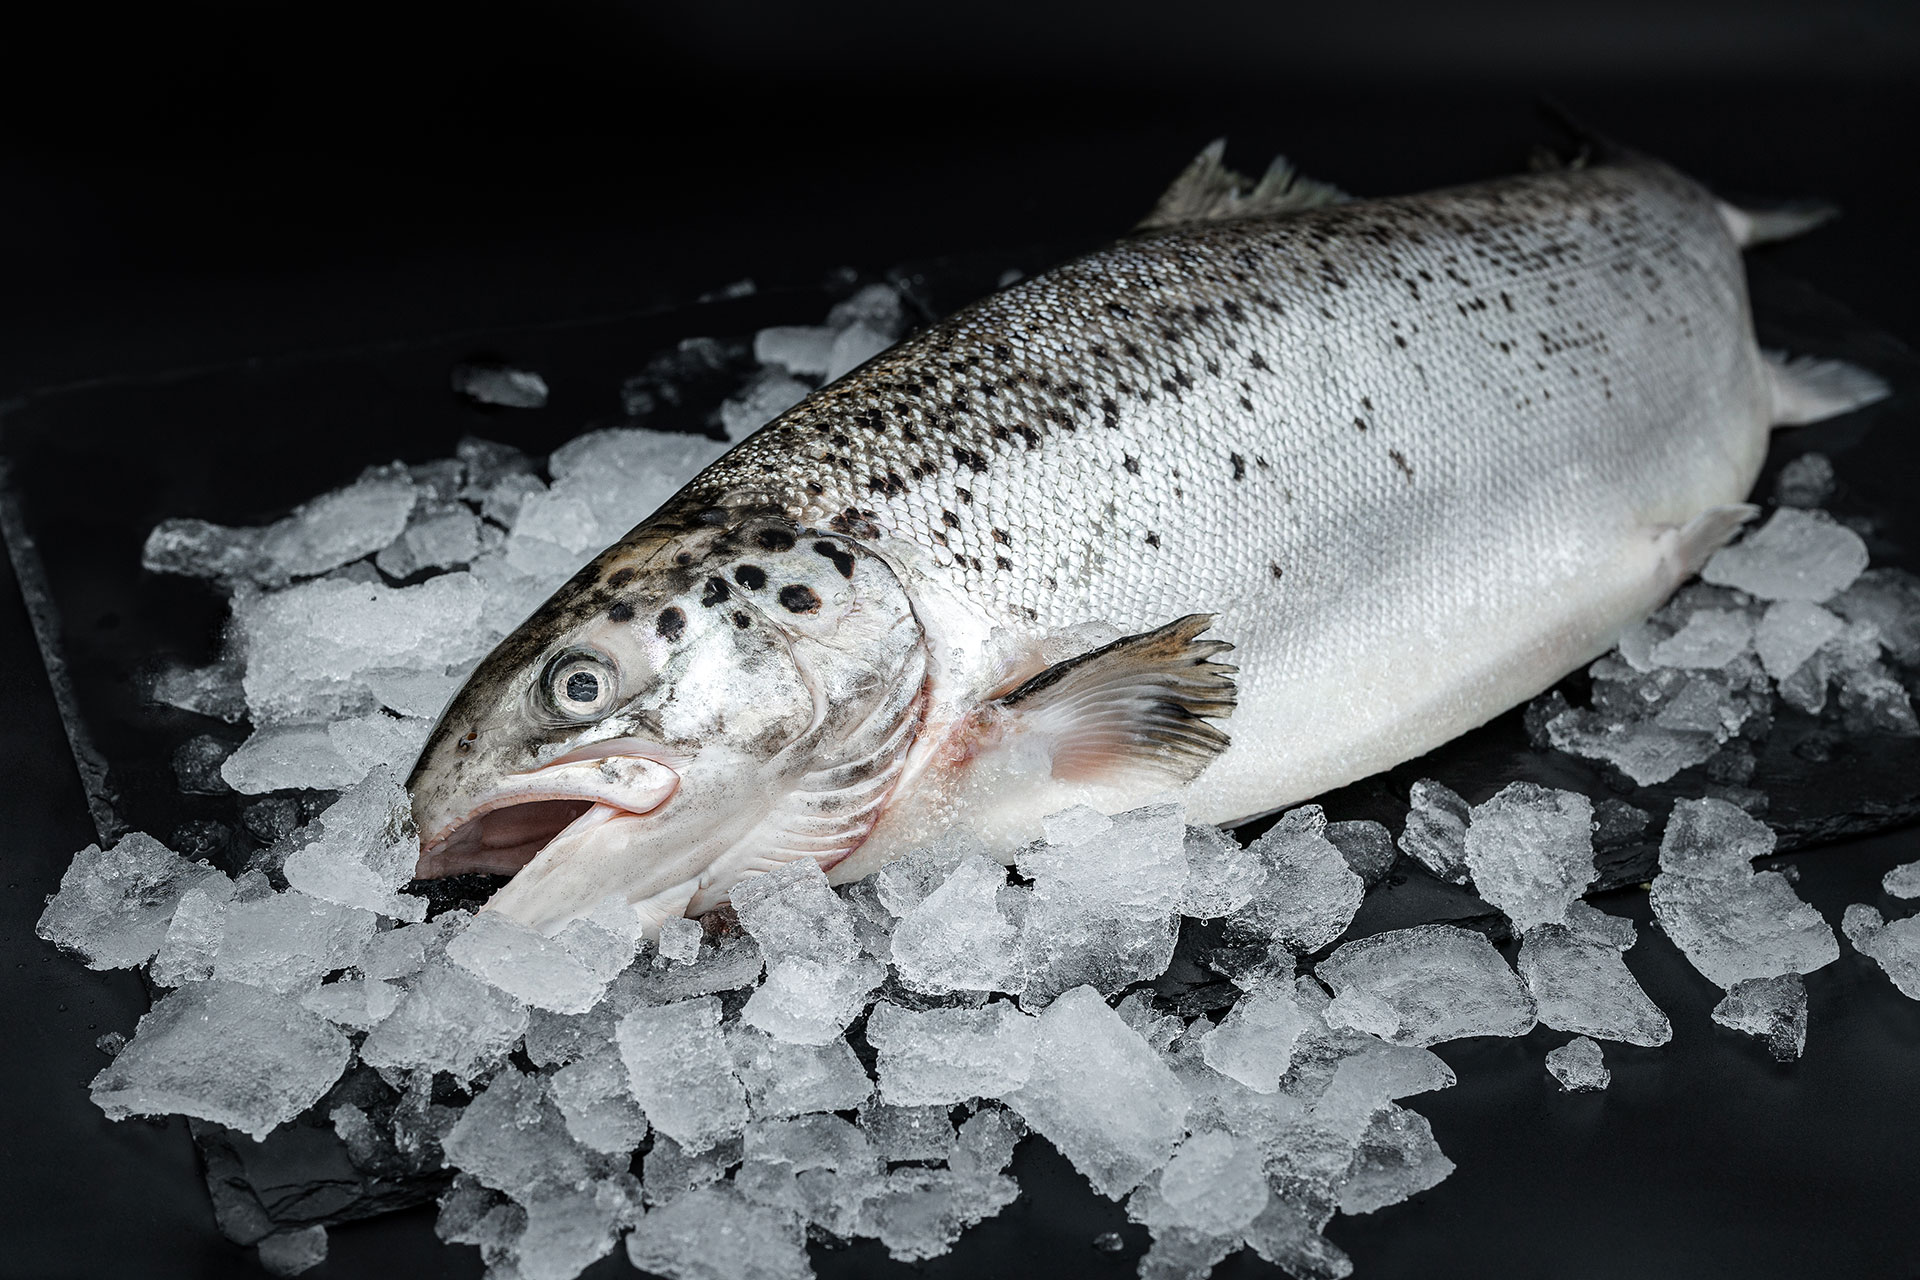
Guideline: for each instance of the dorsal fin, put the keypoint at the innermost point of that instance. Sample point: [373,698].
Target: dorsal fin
[1208,191]
[1140,703]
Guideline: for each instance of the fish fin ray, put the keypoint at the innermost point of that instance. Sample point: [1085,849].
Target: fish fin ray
[1143,702]
[1694,542]
[1208,191]
[1809,389]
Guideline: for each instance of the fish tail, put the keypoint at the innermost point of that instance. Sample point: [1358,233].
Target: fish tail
[1808,389]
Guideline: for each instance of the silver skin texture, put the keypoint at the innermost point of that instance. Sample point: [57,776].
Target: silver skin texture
[1418,458]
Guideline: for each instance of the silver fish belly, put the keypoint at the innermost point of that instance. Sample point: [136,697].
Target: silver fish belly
[1416,458]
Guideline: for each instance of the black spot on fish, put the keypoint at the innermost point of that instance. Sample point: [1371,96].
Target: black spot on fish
[1400,461]
[716,592]
[750,576]
[670,623]
[799,599]
[620,578]
[1239,466]
[711,515]
[775,540]
[1001,351]
[742,621]
[1153,539]
[1003,537]
[684,559]
[966,495]
[968,458]
[1119,310]
[949,519]
[622,612]
[1258,361]
[1361,423]
[841,557]
[1274,569]
[1130,462]
[1001,562]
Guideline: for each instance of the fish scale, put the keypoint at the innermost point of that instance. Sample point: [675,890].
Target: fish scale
[1362,435]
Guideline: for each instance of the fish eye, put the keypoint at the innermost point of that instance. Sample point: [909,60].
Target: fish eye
[580,684]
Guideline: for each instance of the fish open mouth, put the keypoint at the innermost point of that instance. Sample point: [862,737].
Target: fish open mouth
[507,827]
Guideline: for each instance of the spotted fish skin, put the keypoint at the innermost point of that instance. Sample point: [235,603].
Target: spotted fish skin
[1421,456]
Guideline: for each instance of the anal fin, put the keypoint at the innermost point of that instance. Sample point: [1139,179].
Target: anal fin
[1693,543]
[1142,703]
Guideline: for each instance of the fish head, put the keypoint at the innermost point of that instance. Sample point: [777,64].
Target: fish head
[697,704]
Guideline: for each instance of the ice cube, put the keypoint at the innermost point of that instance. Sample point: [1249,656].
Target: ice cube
[817,973]
[1367,846]
[957,938]
[1710,639]
[877,306]
[1396,1158]
[597,1104]
[803,349]
[513,1138]
[985,1142]
[570,1228]
[1889,600]
[1100,1094]
[1646,752]
[293,1250]
[812,1142]
[287,942]
[1215,1185]
[442,536]
[1901,882]
[902,884]
[679,940]
[1805,481]
[365,850]
[1731,922]
[340,526]
[1578,1066]
[1530,850]
[288,757]
[1894,945]
[715,1234]
[114,904]
[358,1003]
[1436,832]
[567,973]
[919,1213]
[1790,632]
[792,1079]
[1222,877]
[1310,894]
[682,1072]
[194,933]
[1254,1042]
[671,1170]
[448,1021]
[604,483]
[760,402]
[213,690]
[852,347]
[1796,555]
[1286,1236]
[1440,982]
[1584,920]
[222,1051]
[1774,1009]
[199,549]
[946,1056]
[1371,1076]
[1104,895]
[1584,986]
[499,385]
[908,1133]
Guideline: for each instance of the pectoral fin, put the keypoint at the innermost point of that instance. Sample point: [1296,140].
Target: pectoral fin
[1141,703]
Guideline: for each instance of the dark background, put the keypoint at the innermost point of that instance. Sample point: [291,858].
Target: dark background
[203,186]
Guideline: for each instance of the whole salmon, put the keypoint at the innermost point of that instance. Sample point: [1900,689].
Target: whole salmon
[1411,459]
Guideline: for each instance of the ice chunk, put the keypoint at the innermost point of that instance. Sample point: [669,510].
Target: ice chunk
[877,306]
[904,883]
[1796,555]
[1889,601]
[114,904]
[310,646]
[817,973]
[194,933]
[671,1170]
[597,1104]
[785,1079]
[1440,983]
[286,757]
[958,938]
[1310,894]
[1732,922]
[221,1051]
[679,940]
[402,952]
[715,1234]
[682,1072]
[1584,986]
[292,1251]
[567,973]
[1711,638]
[359,1003]
[803,349]
[199,549]
[1646,752]
[1530,849]
[985,1142]
[1893,945]
[213,690]
[1104,895]
[340,526]
[498,385]
[443,536]
[1367,846]
[852,347]
[1578,1066]
[1805,481]
[448,1021]
[1369,1078]
[1101,1095]
[950,1055]
[1901,882]
[604,483]
[513,1138]
[1790,632]
[287,942]
[365,851]
[1254,1042]
[908,1133]
[1214,1185]
[1584,920]
[760,402]
[1222,877]
[1286,1236]
[1436,832]
[1774,1009]
[570,1228]
[1397,1157]
[919,1213]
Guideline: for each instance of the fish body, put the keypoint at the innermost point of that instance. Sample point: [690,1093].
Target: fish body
[1413,459]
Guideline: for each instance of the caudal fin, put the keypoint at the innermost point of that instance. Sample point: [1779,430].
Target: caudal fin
[1808,389]
[1782,222]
